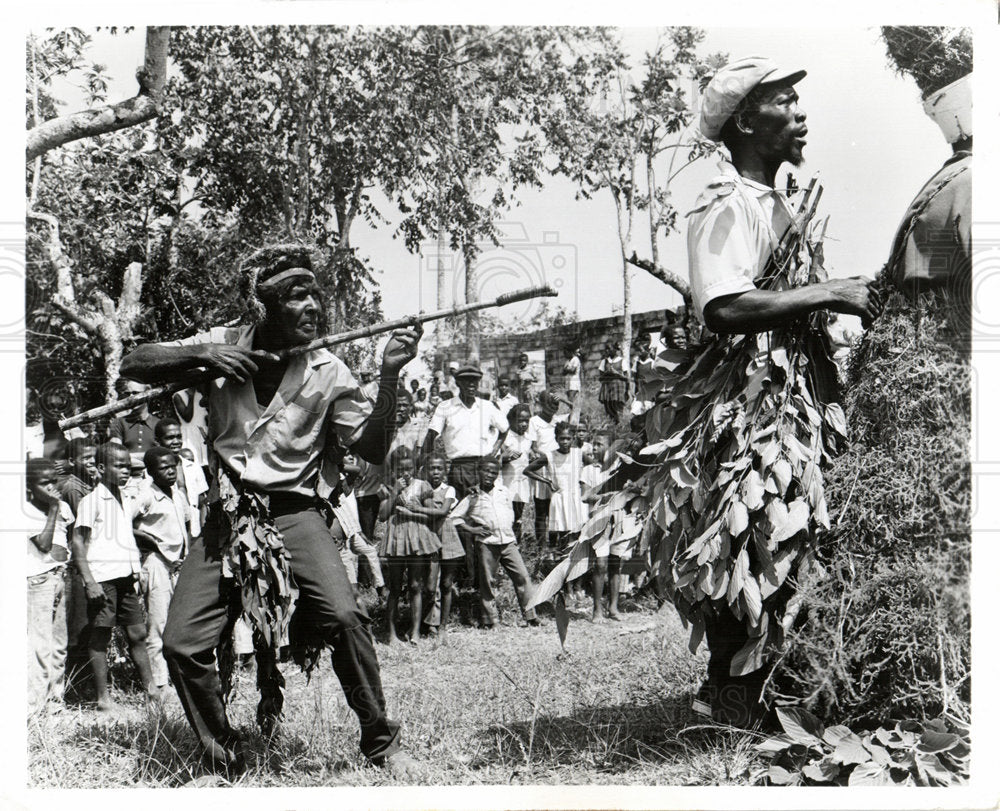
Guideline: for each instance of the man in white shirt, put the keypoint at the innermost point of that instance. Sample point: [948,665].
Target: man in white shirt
[48,519]
[488,516]
[470,429]
[161,526]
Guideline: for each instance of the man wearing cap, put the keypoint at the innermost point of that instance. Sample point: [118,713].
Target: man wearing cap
[278,428]
[751,106]
[470,428]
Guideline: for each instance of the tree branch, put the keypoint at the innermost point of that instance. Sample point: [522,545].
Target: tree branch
[668,277]
[140,108]
[57,256]
[128,303]
[75,314]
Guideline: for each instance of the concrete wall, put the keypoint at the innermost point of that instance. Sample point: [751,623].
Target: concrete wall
[591,336]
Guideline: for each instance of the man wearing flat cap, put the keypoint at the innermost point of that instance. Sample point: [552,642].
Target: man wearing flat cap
[278,428]
[752,107]
[471,429]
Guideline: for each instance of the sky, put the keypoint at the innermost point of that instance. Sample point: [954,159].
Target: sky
[869,140]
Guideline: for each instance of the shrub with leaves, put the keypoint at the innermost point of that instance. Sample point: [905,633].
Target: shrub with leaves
[934,753]
[885,633]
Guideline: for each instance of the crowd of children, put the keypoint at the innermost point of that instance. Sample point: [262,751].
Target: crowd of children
[110,523]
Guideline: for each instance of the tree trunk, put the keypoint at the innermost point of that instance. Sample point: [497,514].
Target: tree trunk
[140,108]
[471,295]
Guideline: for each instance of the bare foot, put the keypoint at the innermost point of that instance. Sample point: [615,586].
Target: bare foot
[598,616]
[613,615]
[105,704]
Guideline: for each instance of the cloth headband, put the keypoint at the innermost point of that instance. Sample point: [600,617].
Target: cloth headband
[288,273]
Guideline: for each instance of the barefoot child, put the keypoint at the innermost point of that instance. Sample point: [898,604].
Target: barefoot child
[488,515]
[107,557]
[410,544]
[48,549]
[514,456]
[561,470]
[452,551]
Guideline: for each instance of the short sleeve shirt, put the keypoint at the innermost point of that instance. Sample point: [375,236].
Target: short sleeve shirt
[494,510]
[285,446]
[732,230]
[165,518]
[468,430]
[544,433]
[111,550]
[41,562]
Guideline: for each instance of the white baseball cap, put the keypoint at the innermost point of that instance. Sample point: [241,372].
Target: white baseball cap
[732,84]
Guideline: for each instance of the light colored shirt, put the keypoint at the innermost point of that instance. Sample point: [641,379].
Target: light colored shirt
[165,518]
[544,433]
[287,445]
[194,434]
[493,510]
[506,403]
[41,562]
[194,485]
[468,430]
[111,549]
[732,230]
[347,514]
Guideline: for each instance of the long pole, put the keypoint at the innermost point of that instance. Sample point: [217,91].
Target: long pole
[129,403]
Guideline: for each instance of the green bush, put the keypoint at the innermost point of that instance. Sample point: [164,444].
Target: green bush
[884,627]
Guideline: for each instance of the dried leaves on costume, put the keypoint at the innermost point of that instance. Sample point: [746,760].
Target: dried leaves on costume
[255,556]
[730,478]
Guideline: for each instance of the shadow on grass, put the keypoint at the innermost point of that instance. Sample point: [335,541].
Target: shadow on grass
[609,738]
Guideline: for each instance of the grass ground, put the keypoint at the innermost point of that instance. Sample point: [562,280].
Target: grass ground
[506,706]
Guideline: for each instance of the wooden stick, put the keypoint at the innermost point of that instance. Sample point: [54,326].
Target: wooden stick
[144,397]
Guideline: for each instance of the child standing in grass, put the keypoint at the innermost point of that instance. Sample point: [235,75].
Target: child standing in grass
[107,557]
[356,544]
[514,456]
[49,519]
[409,544]
[561,470]
[488,515]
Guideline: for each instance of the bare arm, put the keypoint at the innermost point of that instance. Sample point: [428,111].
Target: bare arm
[380,427]
[43,540]
[760,310]
[153,363]
[81,537]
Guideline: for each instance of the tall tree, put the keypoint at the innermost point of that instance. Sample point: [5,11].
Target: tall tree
[617,134]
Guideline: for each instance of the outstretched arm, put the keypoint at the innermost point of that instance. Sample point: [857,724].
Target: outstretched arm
[760,310]
[154,363]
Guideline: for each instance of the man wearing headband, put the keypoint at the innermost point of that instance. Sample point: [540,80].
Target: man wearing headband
[278,428]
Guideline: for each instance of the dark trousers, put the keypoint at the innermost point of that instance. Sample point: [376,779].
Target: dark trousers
[200,615]
[463,475]
[735,700]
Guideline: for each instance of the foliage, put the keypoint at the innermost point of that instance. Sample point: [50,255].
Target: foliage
[614,134]
[933,56]
[729,481]
[909,753]
[885,633]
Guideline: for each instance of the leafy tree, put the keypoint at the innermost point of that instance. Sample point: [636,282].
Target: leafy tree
[615,134]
